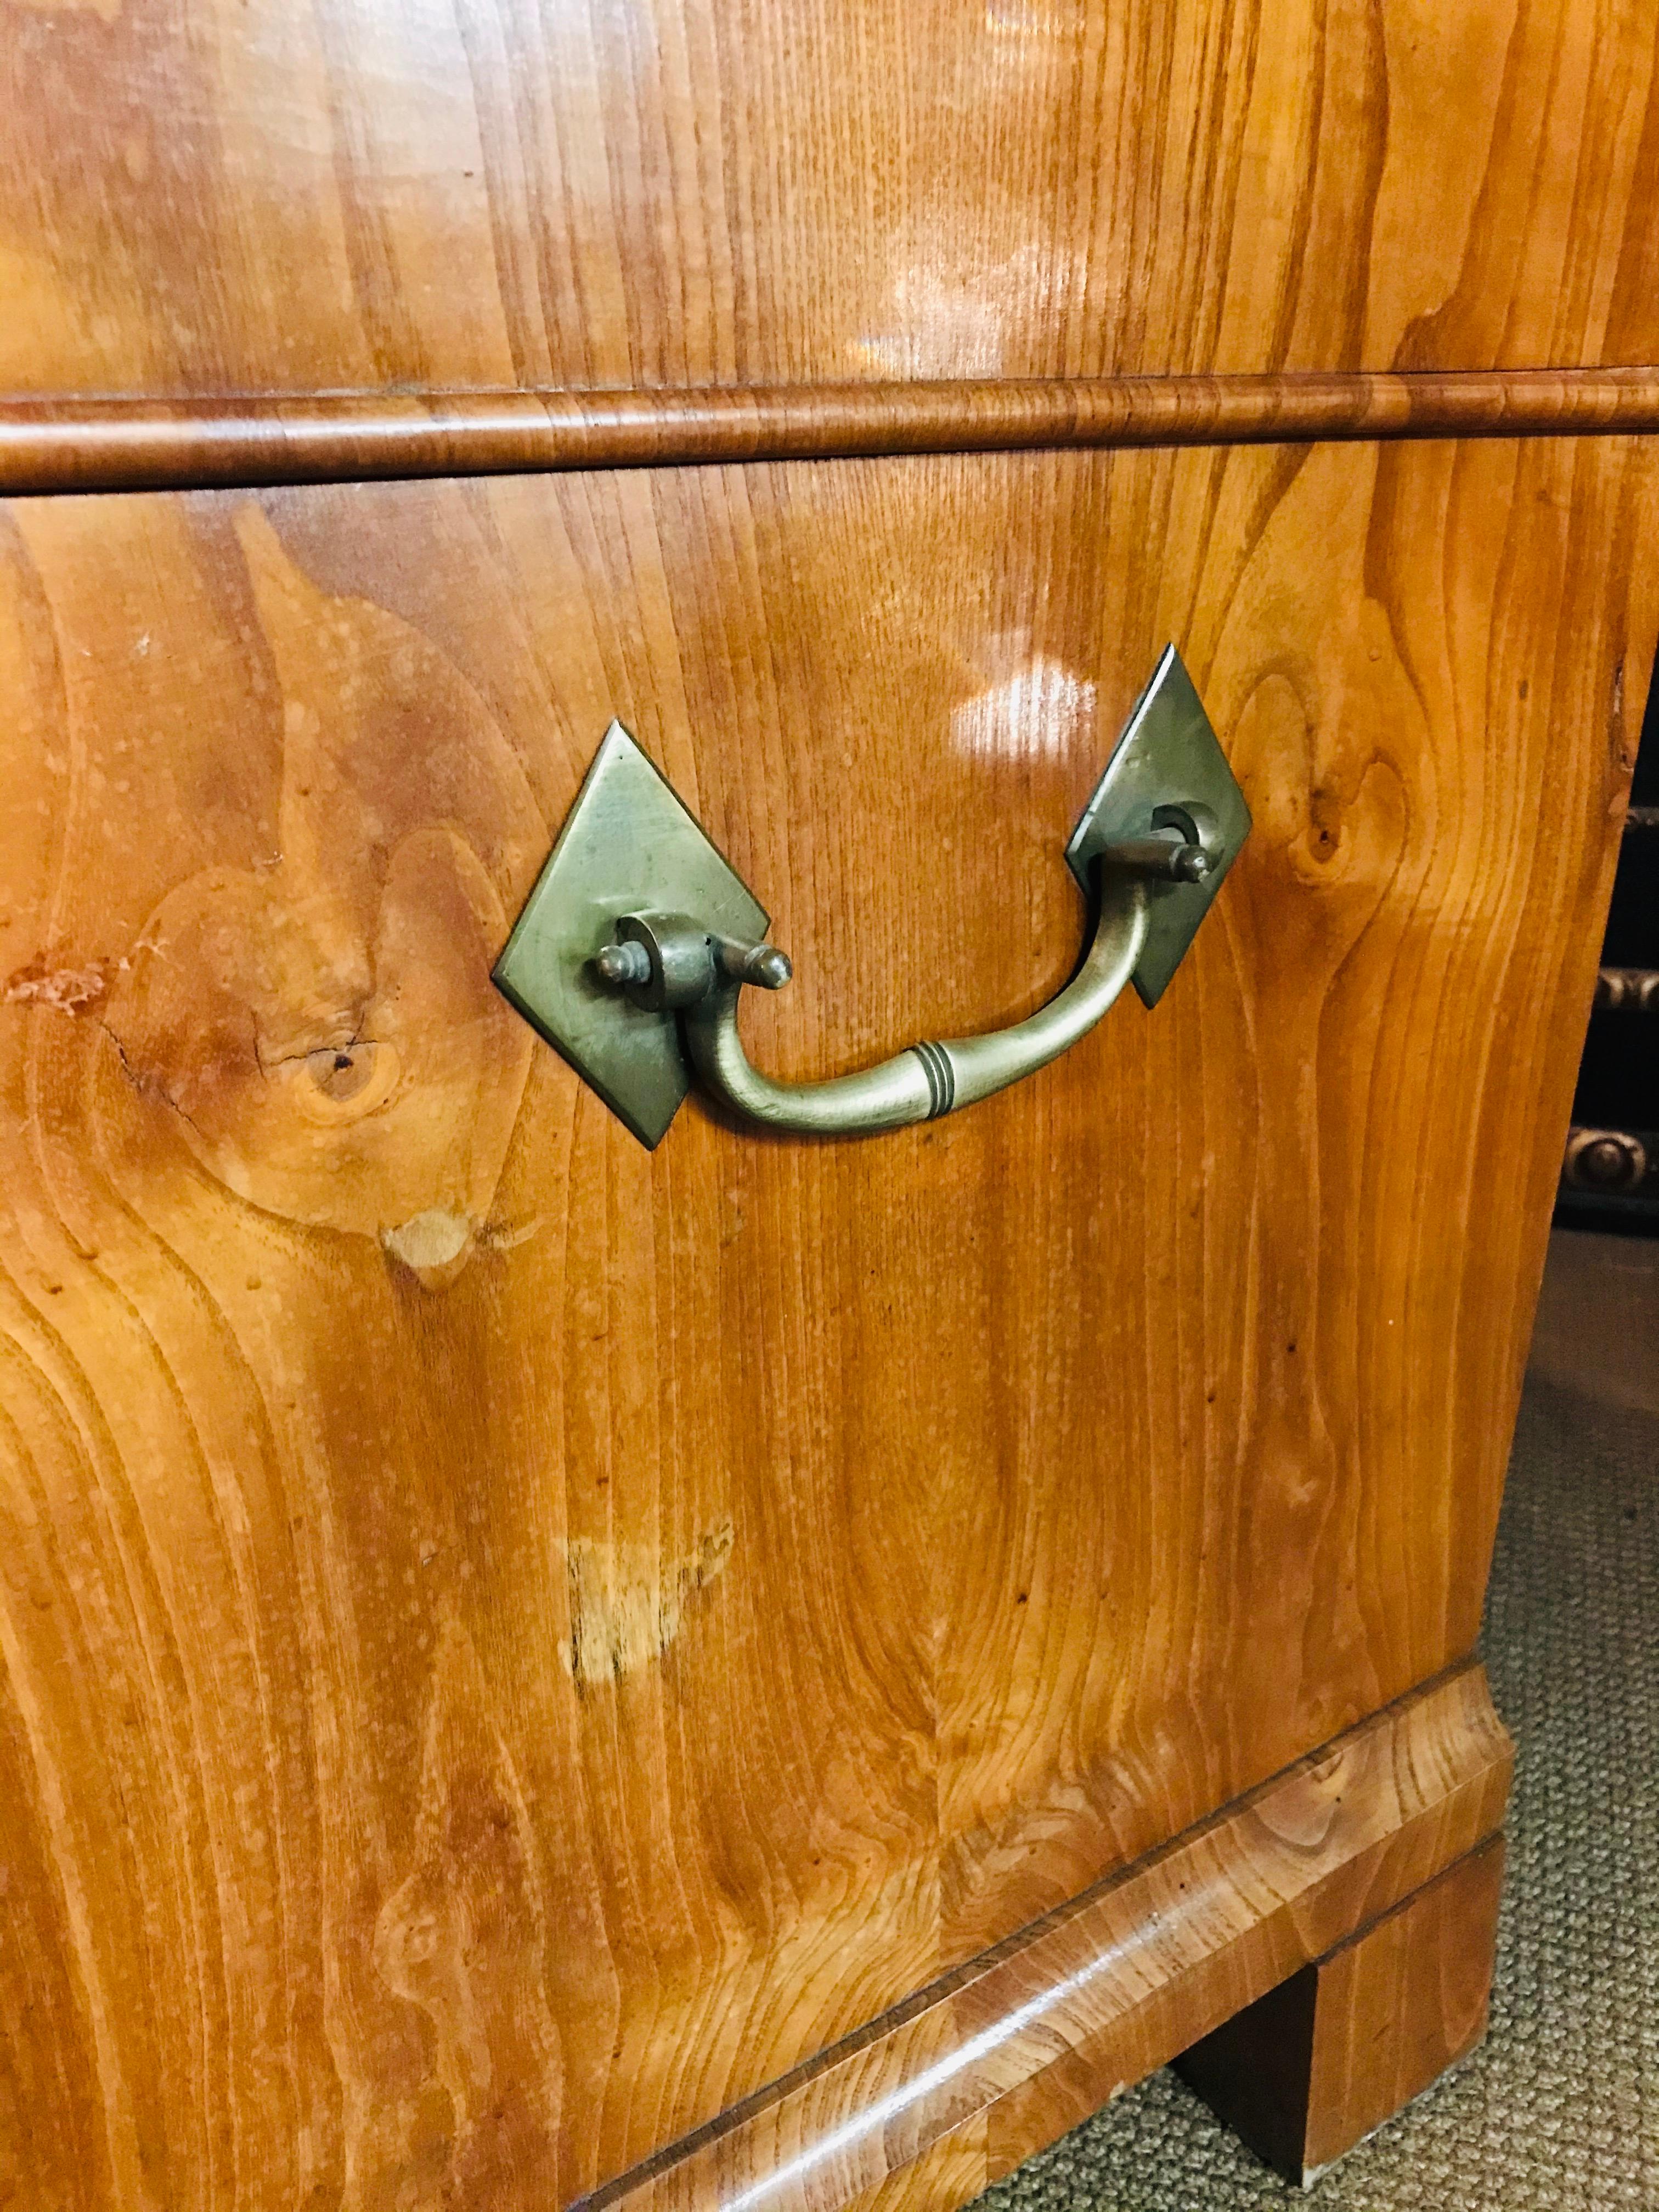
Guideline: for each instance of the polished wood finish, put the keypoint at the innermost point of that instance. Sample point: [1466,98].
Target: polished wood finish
[1308,2069]
[1102,1994]
[113,445]
[511,1641]
[241,197]
[509,1645]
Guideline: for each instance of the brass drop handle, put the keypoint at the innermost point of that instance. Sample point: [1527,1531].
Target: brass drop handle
[632,950]
[674,961]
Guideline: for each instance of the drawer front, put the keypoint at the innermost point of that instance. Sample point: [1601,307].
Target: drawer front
[511,1639]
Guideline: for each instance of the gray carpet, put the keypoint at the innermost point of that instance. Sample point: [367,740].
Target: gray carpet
[1560,2108]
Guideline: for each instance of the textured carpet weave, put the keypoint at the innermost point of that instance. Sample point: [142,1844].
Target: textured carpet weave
[1559,2107]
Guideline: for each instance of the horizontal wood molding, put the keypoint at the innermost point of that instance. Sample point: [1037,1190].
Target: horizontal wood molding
[128,444]
[1120,1980]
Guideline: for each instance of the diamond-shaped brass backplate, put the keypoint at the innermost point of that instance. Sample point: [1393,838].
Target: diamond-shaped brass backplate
[1167,752]
[627,846]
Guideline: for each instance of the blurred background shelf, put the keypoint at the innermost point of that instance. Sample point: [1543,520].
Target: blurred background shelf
[1610,1171]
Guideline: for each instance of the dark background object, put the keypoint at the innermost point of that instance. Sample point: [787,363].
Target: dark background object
[1610,1174]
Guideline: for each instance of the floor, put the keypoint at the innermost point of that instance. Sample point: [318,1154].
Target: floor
[1559,2110]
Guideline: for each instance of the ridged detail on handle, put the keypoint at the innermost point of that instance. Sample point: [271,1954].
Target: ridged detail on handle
[941,1077]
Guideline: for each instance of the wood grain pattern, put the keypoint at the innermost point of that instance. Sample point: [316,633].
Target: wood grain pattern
[1307,2072]
[55,445]
[510,1642]
[220,196]
[1108,1989]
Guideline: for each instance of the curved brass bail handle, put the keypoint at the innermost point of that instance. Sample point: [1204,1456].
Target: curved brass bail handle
[631,952]
[926,1079]
[665,961]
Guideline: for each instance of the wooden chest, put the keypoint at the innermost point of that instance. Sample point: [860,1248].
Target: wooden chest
[778,1670]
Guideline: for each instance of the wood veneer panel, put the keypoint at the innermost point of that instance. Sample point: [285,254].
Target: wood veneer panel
[240,196]
[113,445]
[511,1641]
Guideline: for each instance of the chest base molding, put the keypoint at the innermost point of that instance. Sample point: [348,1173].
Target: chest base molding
[955,2087]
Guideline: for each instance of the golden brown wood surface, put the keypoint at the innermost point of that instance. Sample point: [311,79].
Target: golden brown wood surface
[1307,2072]
[122,445]
[1105,1993]
[238,196]
[511,1641]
